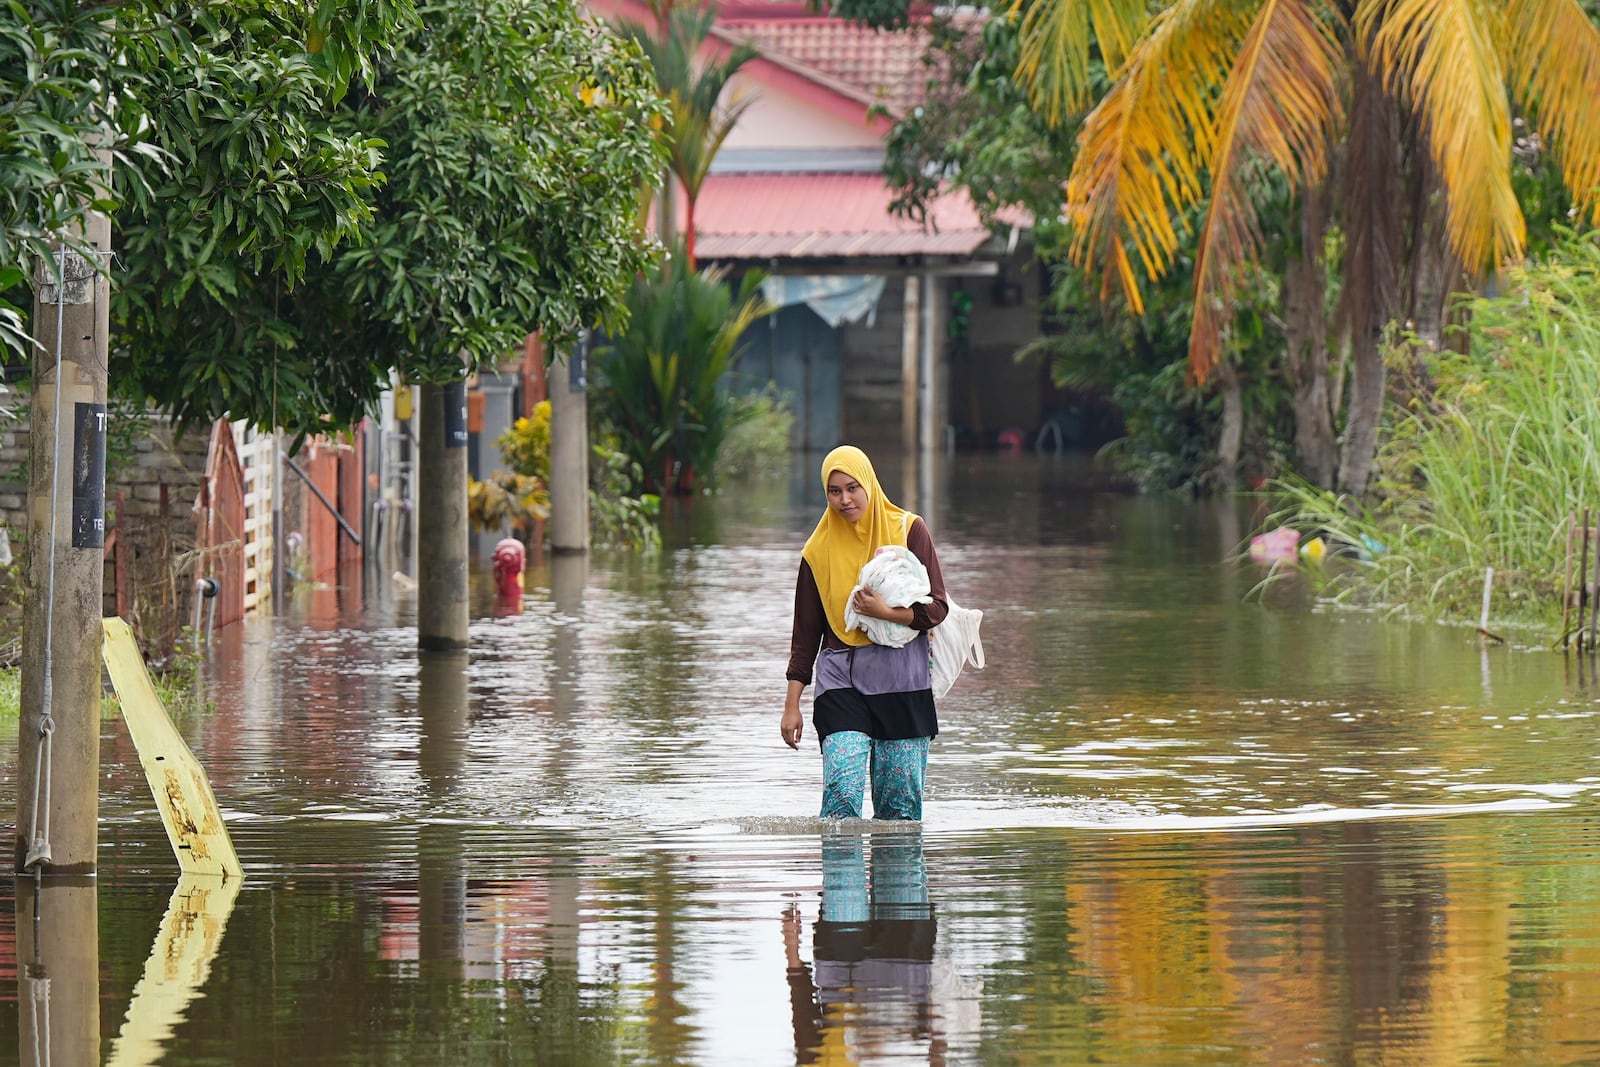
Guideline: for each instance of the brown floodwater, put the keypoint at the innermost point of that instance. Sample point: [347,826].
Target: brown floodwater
[1176,820]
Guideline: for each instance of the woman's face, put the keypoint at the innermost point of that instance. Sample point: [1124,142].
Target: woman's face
[847,496]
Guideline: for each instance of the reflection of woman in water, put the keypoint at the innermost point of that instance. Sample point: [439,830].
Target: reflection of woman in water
[874,704]
[872,951]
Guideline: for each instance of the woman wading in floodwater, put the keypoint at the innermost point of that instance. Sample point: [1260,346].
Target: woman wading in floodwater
[873,709]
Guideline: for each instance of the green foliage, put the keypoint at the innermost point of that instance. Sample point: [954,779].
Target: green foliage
[514,135]
[518,497]
[692,85]
[976,129]
[525,448]
[10,694]
[53,105]
[1489,469]
[663,390]
[617,517]
[879,14]
[11,603]
[757,443]
[504,499]
[620,517]
[179,683]
[198,123]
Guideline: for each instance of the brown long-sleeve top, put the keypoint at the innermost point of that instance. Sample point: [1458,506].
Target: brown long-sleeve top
[811,630]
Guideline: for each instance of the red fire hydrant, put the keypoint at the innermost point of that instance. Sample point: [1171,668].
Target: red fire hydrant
[509,561]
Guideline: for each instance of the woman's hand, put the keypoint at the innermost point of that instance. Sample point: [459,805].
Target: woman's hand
[791,726]
[869,603]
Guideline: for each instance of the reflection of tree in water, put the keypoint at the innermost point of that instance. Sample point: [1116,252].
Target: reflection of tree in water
[654,648]
[661,1021]
[389,1008]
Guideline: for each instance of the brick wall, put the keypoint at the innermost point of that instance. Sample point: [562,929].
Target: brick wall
[150,468]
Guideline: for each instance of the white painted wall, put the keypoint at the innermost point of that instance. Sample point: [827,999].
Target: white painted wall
[780,119]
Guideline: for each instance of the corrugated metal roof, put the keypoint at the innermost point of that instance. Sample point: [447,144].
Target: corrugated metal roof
[824,216]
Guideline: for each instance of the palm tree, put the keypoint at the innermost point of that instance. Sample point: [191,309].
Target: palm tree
[1391,119]
[693,88]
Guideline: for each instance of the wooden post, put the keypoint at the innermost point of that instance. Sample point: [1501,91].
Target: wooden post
[1566,582]
[1583,580]
[1594,601]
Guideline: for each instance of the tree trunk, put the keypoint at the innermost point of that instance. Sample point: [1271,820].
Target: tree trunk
[667,216]
[688,231]
[1366,413]
[1373,212]
[1306,331]
[1434,272]
[1231,439]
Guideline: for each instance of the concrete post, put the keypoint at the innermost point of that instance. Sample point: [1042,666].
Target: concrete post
[58,972]
[930,396]
[442,518]
[443,703]
[910,363]
[569,454]
[58,804]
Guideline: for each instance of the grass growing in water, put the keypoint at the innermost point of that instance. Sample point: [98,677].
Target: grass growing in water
[1486,470]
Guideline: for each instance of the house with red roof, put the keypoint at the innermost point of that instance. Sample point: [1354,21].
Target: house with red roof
[892,333]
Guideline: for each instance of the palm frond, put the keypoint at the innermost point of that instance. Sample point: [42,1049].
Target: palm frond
[1142,149]
[1443,55]
[1117,25]
[1281,105]
[698,137]
[1057,41]
[1055,56]
[1553,52]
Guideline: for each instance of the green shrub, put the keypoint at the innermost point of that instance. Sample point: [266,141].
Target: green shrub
[662,388]
[757,442]
[1487,468]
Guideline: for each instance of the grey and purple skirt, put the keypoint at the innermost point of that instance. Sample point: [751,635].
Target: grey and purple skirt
[885,693]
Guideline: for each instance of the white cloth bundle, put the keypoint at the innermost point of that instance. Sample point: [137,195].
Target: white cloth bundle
[898,576]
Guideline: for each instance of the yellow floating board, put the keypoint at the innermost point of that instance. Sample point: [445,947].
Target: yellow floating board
[177,781]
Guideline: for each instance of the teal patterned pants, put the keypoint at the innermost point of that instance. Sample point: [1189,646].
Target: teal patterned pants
[897,769]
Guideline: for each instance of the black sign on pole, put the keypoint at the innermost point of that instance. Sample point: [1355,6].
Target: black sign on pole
[455,415]
[577,359]
[89,476]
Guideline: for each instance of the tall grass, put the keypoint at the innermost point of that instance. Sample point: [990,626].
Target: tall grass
[1486,470]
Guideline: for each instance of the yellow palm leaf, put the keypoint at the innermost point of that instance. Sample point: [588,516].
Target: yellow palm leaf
[1056,42]
[1553,50]
[1282,104]
[1117,25]
[1443,56]
[1142,150]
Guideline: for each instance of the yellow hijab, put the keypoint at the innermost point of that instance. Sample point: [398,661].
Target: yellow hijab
[838,548]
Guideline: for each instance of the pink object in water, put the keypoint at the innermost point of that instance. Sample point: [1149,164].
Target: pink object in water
[1274,546]
[509,561]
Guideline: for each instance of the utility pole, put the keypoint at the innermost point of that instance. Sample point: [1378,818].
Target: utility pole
[442,518]
[569,453]
[58,753]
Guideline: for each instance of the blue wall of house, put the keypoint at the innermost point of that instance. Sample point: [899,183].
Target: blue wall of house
[798,352]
